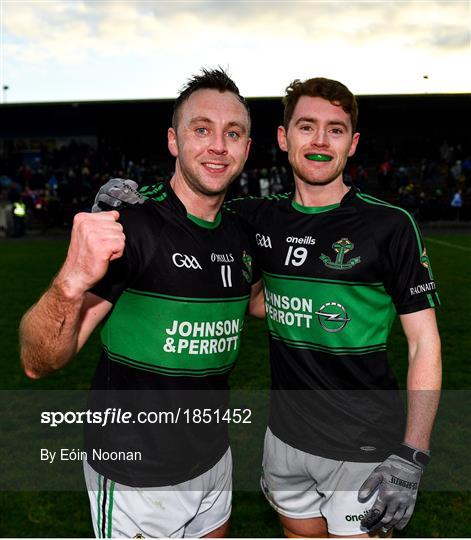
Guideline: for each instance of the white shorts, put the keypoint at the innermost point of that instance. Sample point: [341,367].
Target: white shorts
[190,509]
[300,485]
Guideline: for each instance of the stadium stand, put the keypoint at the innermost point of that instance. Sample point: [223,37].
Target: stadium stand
[414,151]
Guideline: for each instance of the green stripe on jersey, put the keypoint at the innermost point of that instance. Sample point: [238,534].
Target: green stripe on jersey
[187,299]
[323,280]
[313,209]
[167,371]
[330,350]
[334,317]
[334,350]
[422,252]
[372,200]
[204,223]
[184,336]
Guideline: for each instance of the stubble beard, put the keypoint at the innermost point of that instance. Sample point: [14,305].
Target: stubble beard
[299,176]
[198,186]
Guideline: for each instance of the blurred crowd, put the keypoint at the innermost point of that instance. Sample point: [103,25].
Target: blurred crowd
[46,192]
[431,189]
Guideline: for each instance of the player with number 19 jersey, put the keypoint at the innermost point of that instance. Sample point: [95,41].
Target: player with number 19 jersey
[334,279]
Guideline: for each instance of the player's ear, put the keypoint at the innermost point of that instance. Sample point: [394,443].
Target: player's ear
[353,146]
[172,142]
[282,138]
[247,150]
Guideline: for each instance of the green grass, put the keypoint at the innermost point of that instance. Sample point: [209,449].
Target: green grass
[25,271]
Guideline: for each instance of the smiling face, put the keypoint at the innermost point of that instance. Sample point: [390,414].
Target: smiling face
[318,140]
[211,142]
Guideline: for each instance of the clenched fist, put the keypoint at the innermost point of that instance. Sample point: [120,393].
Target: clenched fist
[96,240]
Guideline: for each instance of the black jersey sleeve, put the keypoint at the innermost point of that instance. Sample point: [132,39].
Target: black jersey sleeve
[411,283]
[140,224]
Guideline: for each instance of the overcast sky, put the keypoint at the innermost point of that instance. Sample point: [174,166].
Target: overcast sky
[60,50]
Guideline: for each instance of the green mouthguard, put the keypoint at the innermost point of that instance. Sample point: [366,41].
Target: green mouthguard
[318,157]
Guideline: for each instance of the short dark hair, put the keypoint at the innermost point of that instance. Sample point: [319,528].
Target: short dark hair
[333,91]
[209,79]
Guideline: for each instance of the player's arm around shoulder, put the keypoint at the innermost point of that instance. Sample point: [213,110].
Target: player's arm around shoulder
[257,301]
[249,209]
[55,328]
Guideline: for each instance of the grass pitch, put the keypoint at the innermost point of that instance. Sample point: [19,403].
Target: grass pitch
[26,268]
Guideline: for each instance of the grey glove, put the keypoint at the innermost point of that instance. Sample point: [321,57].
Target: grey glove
[397,480]
[116,193]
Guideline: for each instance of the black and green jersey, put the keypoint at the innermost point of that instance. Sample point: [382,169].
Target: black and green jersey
[334,279]
[180,294]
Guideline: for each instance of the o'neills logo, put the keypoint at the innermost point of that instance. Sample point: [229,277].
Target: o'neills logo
[356,517]
[308,240]
[425,287]
[222,257]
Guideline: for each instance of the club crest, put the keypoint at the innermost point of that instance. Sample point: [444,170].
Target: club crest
[425,261]
[247,271]
[341,247]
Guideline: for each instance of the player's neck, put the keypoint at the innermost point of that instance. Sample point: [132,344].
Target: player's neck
[202,206]
[319,195]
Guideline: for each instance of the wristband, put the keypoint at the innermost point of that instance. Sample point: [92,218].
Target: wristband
[418,457]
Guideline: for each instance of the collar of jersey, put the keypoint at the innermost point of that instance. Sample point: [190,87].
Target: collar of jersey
[203,223]
[180,207]
[313,209]
[319,209]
